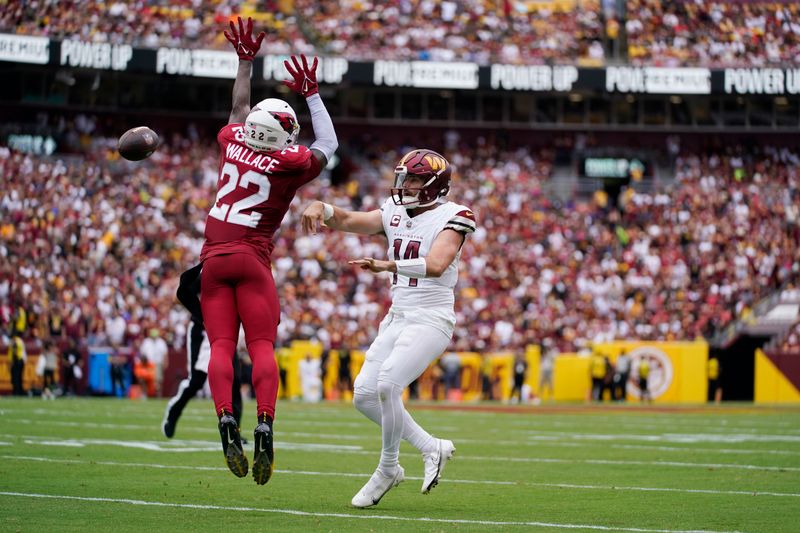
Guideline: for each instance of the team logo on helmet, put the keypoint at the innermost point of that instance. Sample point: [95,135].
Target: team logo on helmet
[434,171]
[286,121]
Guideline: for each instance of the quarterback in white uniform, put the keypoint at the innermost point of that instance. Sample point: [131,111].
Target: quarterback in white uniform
[425,234]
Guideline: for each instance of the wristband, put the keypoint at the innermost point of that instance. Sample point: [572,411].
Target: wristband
[327,212]
[412,268]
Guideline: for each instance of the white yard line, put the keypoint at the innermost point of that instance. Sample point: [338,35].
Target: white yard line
[749,493]
[203,446]
[554,437]
[625,462]
[295,512]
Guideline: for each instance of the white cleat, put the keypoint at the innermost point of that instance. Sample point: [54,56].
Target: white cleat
[435,463]
[378,485]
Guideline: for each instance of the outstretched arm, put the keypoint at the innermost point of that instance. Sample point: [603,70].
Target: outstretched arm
[366,223]
[241,93]
[246,47]
[304,83]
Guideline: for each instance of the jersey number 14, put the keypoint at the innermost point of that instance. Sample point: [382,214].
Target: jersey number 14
[412,252]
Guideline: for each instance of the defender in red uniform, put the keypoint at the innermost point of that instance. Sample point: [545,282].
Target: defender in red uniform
[260,169]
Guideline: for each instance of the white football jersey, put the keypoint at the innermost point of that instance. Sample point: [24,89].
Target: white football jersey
[410,238]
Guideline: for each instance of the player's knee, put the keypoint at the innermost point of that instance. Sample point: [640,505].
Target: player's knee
[386,389]
[363,401]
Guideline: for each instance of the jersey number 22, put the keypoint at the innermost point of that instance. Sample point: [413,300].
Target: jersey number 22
[233,213]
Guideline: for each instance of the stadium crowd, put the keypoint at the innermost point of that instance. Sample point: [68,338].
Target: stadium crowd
[481,31]
[700,32]
[92,247]
[713,33]
[152,23]
[455,30]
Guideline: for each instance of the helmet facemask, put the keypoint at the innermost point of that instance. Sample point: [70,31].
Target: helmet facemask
[429,167]
[419,197]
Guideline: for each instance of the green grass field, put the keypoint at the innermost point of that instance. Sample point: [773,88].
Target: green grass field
[103,465]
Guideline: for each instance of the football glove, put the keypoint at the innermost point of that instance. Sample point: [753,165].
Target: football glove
[305,77]
[242,40]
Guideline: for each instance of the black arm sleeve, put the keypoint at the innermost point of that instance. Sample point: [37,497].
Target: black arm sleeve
[189,292]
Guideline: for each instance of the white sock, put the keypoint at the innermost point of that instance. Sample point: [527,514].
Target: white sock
[370,406]
[392,418]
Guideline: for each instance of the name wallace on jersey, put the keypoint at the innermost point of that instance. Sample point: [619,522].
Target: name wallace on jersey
[242,154]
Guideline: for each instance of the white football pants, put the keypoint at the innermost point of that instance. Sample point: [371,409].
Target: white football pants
[399,354]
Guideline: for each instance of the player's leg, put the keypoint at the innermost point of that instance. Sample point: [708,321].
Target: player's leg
[365,387]
[415,348]
[257,303]
[236,393]
[221,320]
[197,350]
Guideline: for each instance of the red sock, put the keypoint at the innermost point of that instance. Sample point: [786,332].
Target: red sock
[265,376]
[220,374]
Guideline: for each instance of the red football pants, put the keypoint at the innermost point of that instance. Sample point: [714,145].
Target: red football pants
[238,287]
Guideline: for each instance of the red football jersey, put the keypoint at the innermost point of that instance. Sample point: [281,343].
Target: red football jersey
[253,194]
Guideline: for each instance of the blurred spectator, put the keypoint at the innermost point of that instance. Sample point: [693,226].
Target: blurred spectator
[451,368]
[71,368]
[154,350]
[644,378]
[597,370]
[792,341]
[487,379]
[119,365]
[546,367]
[714,385]
[311,378]
[621,376]
[344,379]
[608,380]
[144,371]
[713,33]
[520,371]
[16,361]
[50,357]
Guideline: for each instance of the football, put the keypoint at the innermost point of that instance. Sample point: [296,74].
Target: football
[137,143]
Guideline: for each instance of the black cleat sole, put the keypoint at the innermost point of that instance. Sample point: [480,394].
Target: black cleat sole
[262,468]
[263,457]
[232,446]
[236,460]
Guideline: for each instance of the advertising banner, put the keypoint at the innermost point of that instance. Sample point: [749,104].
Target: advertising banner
[462,75]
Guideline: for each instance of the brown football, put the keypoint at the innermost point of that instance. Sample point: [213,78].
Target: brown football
[137,143]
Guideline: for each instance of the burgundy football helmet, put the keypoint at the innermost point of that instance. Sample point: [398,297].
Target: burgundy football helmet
[432,168]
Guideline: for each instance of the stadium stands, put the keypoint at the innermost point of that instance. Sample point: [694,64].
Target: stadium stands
[660,33]
[708,33]
[152,24]
[87,237]
[467,30]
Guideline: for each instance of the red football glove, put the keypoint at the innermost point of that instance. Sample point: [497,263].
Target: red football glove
[305,78]
[243,41]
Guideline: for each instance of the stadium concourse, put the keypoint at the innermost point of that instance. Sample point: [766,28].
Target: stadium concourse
[701,32]
[89,238]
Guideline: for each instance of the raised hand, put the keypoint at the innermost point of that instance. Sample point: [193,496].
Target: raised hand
[242,40]
[304,80]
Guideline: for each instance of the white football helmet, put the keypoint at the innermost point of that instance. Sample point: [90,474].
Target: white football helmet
[271,125]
